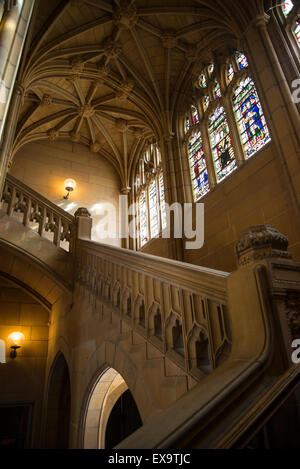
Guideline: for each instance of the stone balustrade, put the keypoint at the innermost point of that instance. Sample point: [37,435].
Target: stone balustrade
[55,223]
[179,308]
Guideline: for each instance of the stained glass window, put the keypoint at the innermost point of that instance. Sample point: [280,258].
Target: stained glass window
[143,218]
[297,32]
[211,69]
[230,74]
[206,102]
[198,166]
[250,119]
[217,91]
[153,210]
[162,202]
[202,81]
[195,115]
[287,7]
[221,144]
[242,60]
[187,124]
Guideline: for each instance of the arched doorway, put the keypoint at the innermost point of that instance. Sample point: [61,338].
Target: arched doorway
[58,405]
[112,413]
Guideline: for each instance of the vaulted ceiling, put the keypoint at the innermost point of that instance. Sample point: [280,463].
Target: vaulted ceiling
[113,74]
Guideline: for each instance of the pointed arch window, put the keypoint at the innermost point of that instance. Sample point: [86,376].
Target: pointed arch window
[211,68]
[202,81]
[150,192]
[195,115]
[187,124]
[198,167]
[230,74]
[241,60]
[221,144]
[162,202]
[297,32]
[206,102]
[217,90]
[153,209]
[287,7]
[143,218]
[213,153]
[250,118]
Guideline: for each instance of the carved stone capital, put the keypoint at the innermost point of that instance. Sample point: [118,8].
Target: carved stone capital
[95,147]
[261,242]
[47,100]
[19,89]
[77,65]
[261,21]
[53,135]
[112,50]
[75,137]
[168,137]
[82,212]
[125,190]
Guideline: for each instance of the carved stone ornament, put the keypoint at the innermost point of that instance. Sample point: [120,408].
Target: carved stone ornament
[82,212]
[261,242]
[53,135]
[125,15]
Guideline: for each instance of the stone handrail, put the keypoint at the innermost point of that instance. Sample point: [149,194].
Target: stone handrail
[35,208]
[179,308]
[264,316]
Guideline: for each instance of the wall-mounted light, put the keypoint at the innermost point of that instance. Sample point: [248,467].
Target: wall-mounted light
[69,185]
[15,341]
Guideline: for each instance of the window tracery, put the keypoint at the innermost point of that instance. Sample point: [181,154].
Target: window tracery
[229,105]
[150,193]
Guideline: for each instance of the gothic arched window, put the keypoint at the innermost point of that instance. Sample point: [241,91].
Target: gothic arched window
[150,194]
[250,119]
[229,105]
[297,32]
[292,18]
[198,166]
[287,7]
[221,144]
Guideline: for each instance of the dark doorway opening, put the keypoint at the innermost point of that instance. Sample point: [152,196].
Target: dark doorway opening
[123,420]
[58,406]
[15,426]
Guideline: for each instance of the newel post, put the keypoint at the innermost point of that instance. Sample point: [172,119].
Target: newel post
[83,223]
[264,246]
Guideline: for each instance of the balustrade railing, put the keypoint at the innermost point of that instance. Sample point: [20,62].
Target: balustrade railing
[39,213]
[179,308]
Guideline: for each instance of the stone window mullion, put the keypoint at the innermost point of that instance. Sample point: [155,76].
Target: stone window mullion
[208,153]
[234,131]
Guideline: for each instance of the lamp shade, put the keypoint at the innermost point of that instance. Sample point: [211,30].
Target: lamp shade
[69,185]
[16,338]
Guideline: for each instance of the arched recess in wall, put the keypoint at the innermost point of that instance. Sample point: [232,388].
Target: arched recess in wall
[111,412]
[58,405]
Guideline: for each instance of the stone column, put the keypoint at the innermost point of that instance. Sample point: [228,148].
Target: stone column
[123,218]
[169,150]
[9,132]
